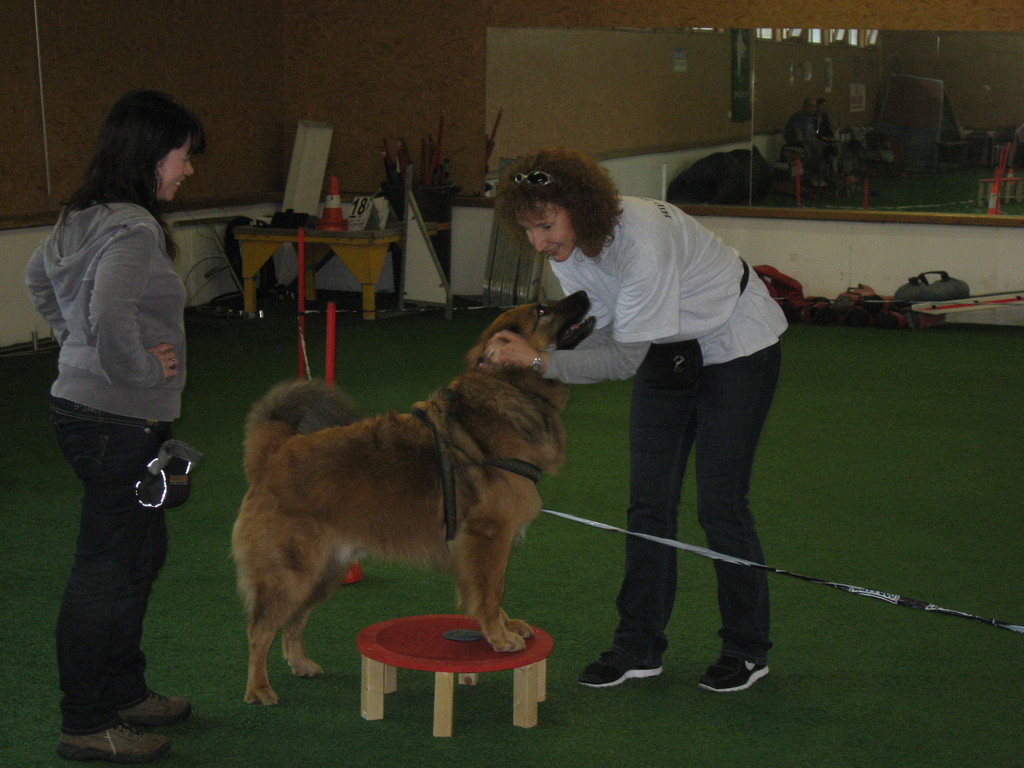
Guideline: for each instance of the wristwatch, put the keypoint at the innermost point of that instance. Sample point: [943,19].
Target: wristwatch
[536,363]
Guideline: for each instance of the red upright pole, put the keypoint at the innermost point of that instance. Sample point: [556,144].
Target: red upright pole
[355,571]
[302,302]
[867,185]
[332,317]
[996,192]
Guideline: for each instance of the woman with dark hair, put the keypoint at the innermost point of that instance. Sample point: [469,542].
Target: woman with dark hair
[105,282]
[677,310]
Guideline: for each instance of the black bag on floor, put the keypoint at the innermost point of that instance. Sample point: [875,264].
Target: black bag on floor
[918,288]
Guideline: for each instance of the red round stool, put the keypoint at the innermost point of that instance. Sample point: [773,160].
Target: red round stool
[440,644]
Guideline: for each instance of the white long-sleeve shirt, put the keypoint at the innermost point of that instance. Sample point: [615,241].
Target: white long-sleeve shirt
[663,278]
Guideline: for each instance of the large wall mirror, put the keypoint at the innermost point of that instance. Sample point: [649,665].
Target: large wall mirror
[920,118]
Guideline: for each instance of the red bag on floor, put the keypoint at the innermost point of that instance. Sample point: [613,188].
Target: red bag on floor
[784,289]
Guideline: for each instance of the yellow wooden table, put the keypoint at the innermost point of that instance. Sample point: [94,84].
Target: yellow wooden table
[362,251]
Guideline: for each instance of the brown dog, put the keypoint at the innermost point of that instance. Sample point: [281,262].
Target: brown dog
[324,489]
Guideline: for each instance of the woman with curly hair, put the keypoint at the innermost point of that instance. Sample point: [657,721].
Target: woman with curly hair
[676,309]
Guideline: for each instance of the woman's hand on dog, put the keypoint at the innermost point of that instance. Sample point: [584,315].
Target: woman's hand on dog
[510,350]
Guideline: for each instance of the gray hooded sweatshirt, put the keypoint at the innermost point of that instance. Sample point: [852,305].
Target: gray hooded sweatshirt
[104,282]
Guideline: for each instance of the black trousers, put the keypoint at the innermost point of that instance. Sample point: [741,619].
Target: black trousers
[120,549]
[721,415]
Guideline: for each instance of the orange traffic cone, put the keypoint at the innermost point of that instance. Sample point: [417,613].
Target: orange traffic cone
[355,573]
[994,206]
[332,217]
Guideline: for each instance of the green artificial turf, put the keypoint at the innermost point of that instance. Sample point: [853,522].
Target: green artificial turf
[890,461]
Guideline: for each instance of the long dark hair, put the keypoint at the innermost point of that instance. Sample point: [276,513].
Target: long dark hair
[141,128]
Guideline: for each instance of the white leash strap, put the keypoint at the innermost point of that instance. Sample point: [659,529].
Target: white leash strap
[888,597]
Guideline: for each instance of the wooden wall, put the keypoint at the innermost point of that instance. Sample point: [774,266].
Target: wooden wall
[373,70]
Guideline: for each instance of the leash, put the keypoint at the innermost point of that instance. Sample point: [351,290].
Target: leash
[446,468]
[888,597]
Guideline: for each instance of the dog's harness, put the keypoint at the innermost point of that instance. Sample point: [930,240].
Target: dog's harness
[446,468]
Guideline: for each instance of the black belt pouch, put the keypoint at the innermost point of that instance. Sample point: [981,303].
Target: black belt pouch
[672,366]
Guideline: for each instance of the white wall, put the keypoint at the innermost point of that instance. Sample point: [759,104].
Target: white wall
[18,320]
[829,256]
[826,256]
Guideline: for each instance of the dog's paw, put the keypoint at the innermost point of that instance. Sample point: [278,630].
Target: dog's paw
[507,642]
[264,695]
[520,628]
[305,667]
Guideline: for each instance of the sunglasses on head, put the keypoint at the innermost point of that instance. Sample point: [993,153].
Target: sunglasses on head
[537,178]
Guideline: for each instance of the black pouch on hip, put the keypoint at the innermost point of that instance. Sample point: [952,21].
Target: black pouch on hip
[166,482]
[672,366]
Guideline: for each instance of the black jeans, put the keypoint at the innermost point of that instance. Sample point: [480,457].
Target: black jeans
[120,549]
[722,414]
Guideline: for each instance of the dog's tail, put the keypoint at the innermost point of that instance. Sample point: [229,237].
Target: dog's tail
[291,408]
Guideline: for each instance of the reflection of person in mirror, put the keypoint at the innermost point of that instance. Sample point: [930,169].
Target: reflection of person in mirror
[823,125]
[801,132]
[823,130]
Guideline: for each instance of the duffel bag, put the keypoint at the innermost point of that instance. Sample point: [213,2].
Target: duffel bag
[945,288]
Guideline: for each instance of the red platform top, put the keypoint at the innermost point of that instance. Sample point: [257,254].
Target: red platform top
[419,642]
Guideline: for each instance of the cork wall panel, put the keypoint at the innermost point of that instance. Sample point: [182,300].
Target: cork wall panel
[22,163]
[389,69]
[221,61]
[388,74]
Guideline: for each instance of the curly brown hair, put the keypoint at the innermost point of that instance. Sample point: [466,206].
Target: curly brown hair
[578,184]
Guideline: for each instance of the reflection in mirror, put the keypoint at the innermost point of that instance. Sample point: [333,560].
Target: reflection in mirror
[918,121]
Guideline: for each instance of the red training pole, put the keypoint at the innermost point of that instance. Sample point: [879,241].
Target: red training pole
[867,185]
[302,302]
[332,316]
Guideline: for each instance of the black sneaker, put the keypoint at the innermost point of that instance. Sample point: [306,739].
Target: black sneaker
[614,668]
[730,674]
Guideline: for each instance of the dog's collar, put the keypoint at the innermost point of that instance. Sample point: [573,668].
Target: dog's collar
[519,467]
[446,468]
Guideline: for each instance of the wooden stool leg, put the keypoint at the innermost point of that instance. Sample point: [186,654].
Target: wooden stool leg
[390,679]
[525,695]
[371,699]
[444,695]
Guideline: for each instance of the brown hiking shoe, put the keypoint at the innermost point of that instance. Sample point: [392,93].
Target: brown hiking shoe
[120,744]
[156,710]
